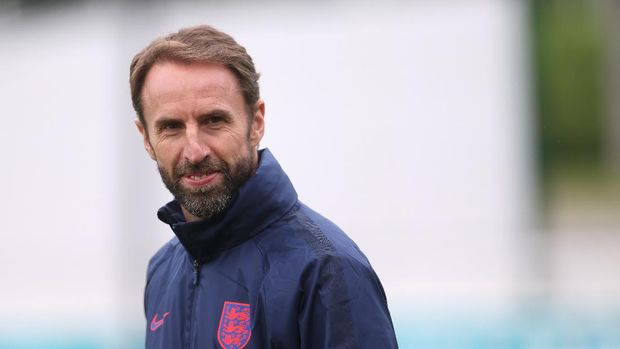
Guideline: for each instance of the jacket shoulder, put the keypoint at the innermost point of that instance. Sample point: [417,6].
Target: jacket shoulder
[326,239]
[339,296]
[304,238]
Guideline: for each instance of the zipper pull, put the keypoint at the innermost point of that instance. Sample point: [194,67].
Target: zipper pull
[196,266]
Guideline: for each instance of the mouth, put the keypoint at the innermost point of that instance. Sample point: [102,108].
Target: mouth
[198,179]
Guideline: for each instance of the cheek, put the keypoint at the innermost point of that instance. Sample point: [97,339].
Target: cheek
[221,141]
[166,156]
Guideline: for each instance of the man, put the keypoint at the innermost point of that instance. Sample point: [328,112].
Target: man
[250,266]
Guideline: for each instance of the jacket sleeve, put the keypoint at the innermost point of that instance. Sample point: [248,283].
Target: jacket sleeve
[344,306]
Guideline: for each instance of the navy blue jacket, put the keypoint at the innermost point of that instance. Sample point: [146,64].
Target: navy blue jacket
[269,273]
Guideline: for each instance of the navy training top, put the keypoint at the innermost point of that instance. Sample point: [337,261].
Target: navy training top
[269,273]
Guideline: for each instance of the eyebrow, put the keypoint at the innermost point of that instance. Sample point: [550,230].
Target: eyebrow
[216,112]
[167,120]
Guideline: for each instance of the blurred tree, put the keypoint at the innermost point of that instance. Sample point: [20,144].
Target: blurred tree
[569,49]
[577,75]
[613,116]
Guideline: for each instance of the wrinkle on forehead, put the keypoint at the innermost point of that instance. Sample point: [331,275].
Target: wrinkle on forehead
[164,95]
[163,85]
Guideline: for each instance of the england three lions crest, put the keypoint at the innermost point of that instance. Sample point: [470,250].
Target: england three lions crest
[234,331]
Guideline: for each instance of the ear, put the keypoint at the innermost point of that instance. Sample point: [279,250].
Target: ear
[145,137]
[258,123]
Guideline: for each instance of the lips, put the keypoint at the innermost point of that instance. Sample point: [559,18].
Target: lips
[199,179]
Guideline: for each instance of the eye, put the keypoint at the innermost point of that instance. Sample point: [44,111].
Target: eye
[169,126]
[172,126]
[214,119]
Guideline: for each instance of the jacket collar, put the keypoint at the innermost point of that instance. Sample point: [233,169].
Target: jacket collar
[260,201]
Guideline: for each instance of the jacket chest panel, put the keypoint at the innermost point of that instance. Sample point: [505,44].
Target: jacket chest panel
[216,307]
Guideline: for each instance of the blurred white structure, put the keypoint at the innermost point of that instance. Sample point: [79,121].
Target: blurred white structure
[407,124]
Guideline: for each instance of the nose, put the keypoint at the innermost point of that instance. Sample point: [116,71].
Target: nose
[195,149]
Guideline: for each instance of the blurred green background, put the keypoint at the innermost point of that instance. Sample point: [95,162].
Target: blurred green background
[576,72]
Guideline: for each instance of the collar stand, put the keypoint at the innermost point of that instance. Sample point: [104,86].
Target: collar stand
[260,201]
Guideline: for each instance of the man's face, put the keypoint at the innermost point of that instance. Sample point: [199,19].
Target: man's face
[199,133]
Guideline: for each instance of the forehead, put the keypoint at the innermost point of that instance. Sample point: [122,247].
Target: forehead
[171,81]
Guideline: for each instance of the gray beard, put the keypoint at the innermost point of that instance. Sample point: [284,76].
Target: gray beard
[207,202]
[213,201]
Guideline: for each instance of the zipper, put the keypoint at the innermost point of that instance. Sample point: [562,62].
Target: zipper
[194,291]
[196,273]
